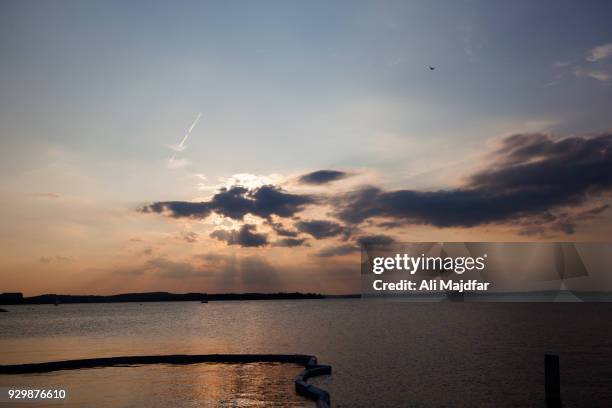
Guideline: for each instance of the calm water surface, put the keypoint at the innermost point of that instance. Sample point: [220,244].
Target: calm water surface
[382,353]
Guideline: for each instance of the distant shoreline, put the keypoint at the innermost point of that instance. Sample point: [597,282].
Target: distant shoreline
[18,299]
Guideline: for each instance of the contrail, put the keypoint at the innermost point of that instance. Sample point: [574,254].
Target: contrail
[181,146]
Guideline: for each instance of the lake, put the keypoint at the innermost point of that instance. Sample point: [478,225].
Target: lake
[383,353]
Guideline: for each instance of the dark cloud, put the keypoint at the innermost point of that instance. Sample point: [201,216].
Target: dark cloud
[235,203]
[270,200]
[565,169]
[346,249]
[391,224]
[189,236]
[289,242]
[216,258]
[337,250]
[533,178]
[533,175]
[375,240]
[547,224]
[179,209]
[245,236]
[282,231]
[442,208]
[320,228]
[594,211]
[322,177]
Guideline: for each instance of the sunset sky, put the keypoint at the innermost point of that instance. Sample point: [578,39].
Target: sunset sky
[322,126]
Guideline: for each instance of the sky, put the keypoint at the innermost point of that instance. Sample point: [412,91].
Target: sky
[320,125]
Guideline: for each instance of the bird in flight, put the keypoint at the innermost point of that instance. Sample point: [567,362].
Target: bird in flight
[432,68]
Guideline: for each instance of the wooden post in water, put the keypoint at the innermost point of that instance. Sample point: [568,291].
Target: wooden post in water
[552,381]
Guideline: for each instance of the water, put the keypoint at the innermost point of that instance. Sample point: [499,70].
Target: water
[383,353]
[198,385]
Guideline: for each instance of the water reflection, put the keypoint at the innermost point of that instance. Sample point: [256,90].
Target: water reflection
[197,385]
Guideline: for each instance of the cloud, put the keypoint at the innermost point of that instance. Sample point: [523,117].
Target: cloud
[128,271]
[179,209]
[56,258]
[258,274]
[247,180]
[564,222]
[289,242]
[281,230]
[216,258]
[245,236]
[375,240]
[595,66]
[174,163]
[337,250]
[598,74]
[235,203]
[189,236]
[601,52]
[251,273]
[166,268]
[322,177]
[45,195]
[533,174]
[320,228]
[561,64]
[532,182]
[346,249]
